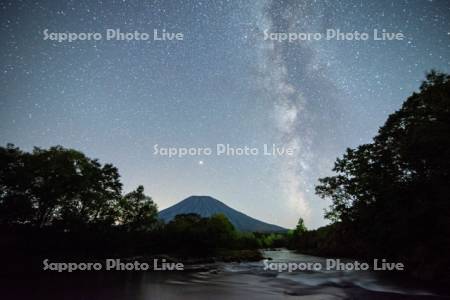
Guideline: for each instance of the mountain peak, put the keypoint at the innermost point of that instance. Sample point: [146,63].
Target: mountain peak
[206,206]
[200,198]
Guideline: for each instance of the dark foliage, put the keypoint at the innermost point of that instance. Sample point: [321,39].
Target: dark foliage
[63,189]
[390,198]
[59,203]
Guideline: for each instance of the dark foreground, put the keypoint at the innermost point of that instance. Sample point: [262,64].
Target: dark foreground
[218,281]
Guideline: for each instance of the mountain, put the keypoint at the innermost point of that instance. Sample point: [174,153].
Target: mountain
[207,206]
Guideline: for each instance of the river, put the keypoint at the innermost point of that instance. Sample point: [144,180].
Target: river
[220,281]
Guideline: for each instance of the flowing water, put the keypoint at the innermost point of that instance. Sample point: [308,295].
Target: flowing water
[221,281]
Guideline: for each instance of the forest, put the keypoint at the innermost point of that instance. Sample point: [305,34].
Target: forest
[389,199]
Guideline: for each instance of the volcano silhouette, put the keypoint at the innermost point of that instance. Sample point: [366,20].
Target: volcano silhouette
[206,206]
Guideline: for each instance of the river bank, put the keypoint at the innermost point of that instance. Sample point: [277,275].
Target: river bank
[220,280]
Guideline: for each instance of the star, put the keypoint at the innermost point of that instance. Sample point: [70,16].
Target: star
[223,83]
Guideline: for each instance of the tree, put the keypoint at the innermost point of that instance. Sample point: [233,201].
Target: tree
[199,235]
[137,211]
[15,204]
[300,228]
[220,231]
[392,194]
[56,186]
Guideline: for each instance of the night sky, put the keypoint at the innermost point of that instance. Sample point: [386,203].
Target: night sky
[223,83]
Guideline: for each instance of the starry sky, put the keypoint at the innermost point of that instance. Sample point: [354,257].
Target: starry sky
[223,83]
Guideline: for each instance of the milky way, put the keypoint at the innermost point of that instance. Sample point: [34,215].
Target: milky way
[223,83]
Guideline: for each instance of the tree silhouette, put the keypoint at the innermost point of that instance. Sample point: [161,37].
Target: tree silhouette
[392,195]
[63,188]
[137,212]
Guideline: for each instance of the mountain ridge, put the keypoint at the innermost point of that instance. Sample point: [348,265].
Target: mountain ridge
[207,206]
